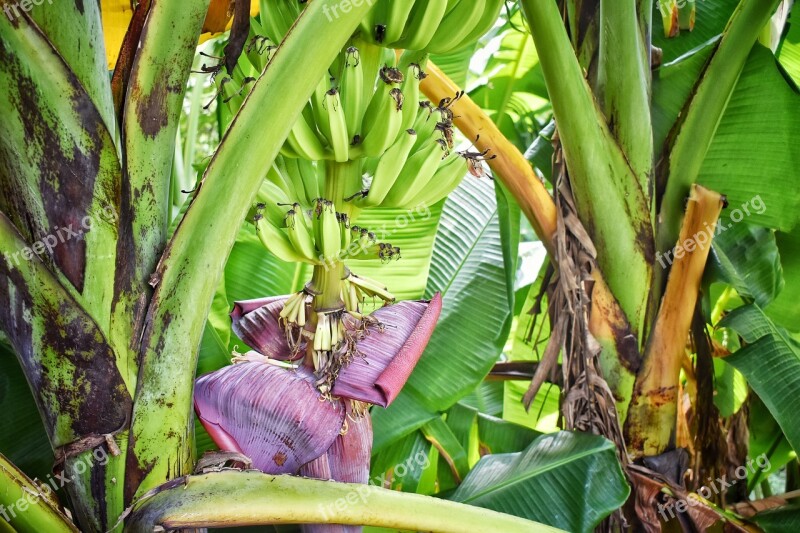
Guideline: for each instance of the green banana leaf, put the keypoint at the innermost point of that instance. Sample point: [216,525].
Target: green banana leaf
[771,363]
[501,436]
[568,480]
[413,231]
[747,258]
[529,342]
[455,64]
[405,415]
[780,520]
[767,439]
[21,421]
[788,51]
[785,309]
[746,161]
[470,271]
[712,17]
[400,466]
[511,88]
[486,398]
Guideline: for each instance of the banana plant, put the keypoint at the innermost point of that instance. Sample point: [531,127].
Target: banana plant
[356,228]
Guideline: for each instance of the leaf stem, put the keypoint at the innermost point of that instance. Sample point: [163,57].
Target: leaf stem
[249,498]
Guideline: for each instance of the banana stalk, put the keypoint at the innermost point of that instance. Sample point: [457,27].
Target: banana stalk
[653,412]
[602,179]
[193,501]
[41,515]
[623,87]
[608,322]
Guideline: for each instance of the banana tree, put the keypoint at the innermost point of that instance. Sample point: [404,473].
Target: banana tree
[323,201]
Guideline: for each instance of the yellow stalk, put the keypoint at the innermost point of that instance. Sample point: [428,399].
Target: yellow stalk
[653,411]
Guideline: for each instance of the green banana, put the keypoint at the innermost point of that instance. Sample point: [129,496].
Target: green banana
[425,18]
[384,116]
[295,169]
[276,241]
[289,181]
[320,110]
[425,125]
[416,173]
[308,175]
[271,199]
[304,142]
[337,126]
[370,287]
[330,246]
[487,21]
[351,89]
[344,230]
[389,22]
[259,48]
[413,76]
[456,25]
[300,236]
[276,177]
[447,177]
[389,167]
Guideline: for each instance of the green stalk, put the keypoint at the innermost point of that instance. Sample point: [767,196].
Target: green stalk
[26,507]
[327,282]
[78,400]
[193,262]
[623,86]
[259,499]
[701,115]
[609,197]
[341,181]
[152,108]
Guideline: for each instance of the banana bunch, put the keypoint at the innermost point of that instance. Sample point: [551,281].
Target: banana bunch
[318,235]
[436,26]
[421,166]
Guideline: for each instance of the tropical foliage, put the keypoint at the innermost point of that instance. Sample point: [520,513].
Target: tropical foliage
[487,265]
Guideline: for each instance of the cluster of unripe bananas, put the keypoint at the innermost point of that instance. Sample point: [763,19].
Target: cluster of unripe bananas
[365,116]
[318,235]
[436,26]
[406,145]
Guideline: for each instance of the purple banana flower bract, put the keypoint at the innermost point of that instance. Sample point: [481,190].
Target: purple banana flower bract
[389,353]
[257,322]
[273,415]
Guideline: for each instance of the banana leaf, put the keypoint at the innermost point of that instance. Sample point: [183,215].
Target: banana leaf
[771,363]
[568,480]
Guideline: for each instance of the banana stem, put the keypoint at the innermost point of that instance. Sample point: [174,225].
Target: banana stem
[327,282]
[652,415]
[342,180]
[253,498]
